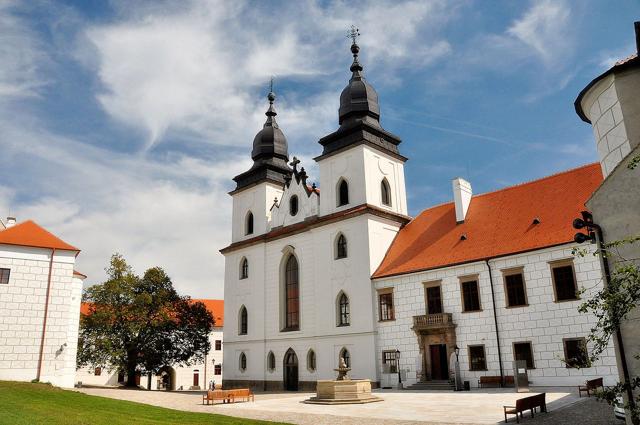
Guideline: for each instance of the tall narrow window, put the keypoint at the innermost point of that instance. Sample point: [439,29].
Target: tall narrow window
[343,193]
[341,247]
[311,361]
[291,295]
[244,322]
[477,358]
[514,289]
[575,353]
[271,362]
[344,354]
[243,362]
[385,306]
[196,378]
[4,276]
[343,305]
[218,344]
[244,268]
[470,296]
[293,205]
[434,299]
[385,192]
[249,224]
[217,369]
[523,351]
[564,282]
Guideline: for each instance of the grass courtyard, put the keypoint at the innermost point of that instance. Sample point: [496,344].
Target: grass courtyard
[26,404]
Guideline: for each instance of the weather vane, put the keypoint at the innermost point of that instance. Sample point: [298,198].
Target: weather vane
[353,33]
[271,84]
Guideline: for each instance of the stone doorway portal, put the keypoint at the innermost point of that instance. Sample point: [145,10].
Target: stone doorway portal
[290,370]
[439,362]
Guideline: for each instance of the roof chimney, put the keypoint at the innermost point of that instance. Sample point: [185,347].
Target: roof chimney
[637,27]
[11,221]
[462,198]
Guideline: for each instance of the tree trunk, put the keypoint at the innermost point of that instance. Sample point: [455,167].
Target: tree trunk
[149,380]
[131,369]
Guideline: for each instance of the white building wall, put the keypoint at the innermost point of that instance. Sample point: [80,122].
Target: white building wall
[22,304]
[258,199]
[543,322]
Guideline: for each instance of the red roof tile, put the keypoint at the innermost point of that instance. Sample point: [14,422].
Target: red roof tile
[28,233]
[497,223]
[80,275]
[215,307]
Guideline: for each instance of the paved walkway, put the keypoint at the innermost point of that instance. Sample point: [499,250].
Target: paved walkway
[398,408]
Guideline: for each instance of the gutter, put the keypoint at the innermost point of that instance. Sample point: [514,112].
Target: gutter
[495,321]
[46,312]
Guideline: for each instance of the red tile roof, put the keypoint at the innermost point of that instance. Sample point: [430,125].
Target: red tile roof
[497,223]
[215,307]
[80,275]
[28,233]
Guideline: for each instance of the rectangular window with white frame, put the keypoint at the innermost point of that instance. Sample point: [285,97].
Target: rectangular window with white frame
[470,290]
[515,290]
[563,278]
[4,276]
[385,305]
[477,358]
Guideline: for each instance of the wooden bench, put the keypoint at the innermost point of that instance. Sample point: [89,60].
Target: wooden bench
[494,381]
[590,385]
[212,396]
[527,403]
[242,393]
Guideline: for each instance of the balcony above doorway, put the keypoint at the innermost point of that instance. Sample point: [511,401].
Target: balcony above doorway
[428,322]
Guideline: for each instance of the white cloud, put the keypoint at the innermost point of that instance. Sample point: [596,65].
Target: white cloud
[21,59]
[545,29]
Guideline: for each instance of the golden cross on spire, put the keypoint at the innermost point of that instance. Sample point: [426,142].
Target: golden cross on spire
[353,33]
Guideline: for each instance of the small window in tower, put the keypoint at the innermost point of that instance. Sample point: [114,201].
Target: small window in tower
[385,192]
[341,247]
[249,224]
[271,362]
[343,193]
[243,362]
[244,268]
[293,205]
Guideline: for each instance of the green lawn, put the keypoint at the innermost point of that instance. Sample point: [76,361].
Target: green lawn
[26,404]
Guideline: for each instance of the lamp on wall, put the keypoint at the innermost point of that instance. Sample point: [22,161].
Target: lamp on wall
[456,349]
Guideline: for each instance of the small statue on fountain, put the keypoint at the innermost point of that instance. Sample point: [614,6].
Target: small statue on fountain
[342,370]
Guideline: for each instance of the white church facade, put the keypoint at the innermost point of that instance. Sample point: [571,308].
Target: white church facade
[316,274]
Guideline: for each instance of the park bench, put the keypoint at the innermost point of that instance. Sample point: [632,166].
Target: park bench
[527,403]
[494,381]
[242,393]
[589,386]
[212,396]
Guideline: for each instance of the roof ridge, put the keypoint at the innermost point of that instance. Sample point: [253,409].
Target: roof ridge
[559,173]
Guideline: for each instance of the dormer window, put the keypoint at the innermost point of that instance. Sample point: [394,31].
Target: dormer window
[248,227]
[293,205]
[343,193]
[385,192]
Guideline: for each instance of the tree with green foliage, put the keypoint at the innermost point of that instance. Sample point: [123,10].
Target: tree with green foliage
[140,324]
[611,306]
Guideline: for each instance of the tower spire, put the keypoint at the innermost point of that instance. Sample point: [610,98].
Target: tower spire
[271,112]
[356,68]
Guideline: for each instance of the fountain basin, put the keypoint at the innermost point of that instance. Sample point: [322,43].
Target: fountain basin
[356,391]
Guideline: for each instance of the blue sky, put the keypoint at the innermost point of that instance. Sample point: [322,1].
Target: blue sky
[122,123]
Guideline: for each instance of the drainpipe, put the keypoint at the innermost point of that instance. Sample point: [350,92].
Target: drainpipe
[495,321]
[46,312]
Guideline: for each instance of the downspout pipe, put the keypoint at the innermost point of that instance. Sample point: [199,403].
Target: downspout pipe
[46,313]
[607,278]
[495,321]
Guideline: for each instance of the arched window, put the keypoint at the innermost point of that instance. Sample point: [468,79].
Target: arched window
[385,192]
[311,360]
[244,268]
[293,205]
[243,362]
[271,362]
[248,228]
[341,247]
[343,193]
[244,322]
[291,295]
[344,354]
[344,316]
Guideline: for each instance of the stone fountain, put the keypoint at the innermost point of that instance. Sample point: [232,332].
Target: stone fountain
[343,390]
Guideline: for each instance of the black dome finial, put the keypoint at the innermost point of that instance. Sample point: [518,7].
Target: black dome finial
[271,112]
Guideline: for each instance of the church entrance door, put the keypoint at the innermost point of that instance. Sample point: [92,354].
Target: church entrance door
[439,362]
[290,371]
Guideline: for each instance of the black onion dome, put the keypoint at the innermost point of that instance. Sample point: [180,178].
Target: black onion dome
[270,141]
[359,99]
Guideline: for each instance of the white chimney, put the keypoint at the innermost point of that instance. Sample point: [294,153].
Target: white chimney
[11,221]
[462,197]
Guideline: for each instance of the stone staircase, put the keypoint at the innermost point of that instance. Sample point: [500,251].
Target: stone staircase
[432,386]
